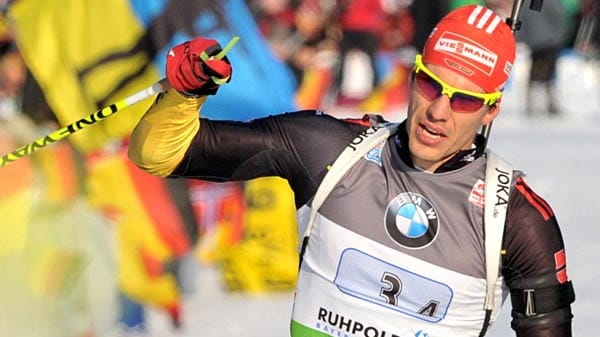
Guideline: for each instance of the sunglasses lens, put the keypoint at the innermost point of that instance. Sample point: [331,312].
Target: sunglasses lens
[462,102]
[431,89]
[427,86]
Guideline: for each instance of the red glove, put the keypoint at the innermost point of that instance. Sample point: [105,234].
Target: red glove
[189,74]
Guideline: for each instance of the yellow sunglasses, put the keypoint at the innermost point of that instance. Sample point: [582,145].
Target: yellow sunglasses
[432,87]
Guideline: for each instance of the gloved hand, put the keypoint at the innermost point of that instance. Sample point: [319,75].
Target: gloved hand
[193,70]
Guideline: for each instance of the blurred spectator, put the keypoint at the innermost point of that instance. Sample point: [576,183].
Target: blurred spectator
[587,40]
[305,36]
[295,30]
[360,21]
[426,13]
[545,33]
[574,15]
[398,28]
[312,34]
[275,20]
[12,74]
[501,7]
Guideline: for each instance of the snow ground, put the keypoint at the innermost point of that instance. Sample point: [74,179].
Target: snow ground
[561,158]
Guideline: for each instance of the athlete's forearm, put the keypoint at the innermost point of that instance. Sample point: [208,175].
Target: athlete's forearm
[163,135]
[562,330]
[535,267]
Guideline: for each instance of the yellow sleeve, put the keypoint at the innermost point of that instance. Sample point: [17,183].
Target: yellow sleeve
[164,133]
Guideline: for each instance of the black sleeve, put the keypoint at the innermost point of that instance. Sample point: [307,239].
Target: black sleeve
[296,146]
[534,267]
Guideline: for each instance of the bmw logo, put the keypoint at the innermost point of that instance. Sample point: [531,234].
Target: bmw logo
[411,221]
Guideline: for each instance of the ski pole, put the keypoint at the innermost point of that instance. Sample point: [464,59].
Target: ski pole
[82,123]
[100,114]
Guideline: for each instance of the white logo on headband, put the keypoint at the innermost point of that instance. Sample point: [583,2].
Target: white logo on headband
[467,50]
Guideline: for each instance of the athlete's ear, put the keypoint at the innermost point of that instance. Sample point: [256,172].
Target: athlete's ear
[491,114]
[411,79]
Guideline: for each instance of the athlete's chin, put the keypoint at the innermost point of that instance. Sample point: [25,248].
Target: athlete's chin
[426,156]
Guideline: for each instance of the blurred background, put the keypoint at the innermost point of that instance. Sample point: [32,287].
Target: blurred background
[92,246]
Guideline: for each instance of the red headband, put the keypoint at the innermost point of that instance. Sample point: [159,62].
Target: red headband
[474,42]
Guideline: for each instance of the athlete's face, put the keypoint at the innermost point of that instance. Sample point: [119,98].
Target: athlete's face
[435,130]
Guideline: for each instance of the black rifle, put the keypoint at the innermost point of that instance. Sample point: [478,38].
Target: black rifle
[515,24]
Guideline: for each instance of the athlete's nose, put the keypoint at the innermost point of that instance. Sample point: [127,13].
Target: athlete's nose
[439,109]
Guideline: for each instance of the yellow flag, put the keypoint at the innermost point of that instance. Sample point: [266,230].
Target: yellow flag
[266,260]
[85,54]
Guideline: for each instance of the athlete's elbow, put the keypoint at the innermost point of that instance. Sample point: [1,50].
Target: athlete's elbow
[146,154]
[147,163]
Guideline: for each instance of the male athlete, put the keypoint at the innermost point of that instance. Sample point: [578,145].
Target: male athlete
[397,244]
